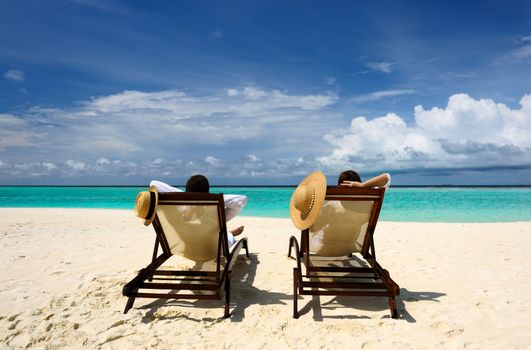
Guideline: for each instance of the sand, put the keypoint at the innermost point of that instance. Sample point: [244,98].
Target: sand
[62,273]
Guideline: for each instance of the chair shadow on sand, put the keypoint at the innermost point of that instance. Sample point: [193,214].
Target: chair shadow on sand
[366,303]
[243,295]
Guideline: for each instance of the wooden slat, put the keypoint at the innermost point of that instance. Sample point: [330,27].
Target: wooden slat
[343,285]
[176,296]
[344,277]
[178,286]
[340,269]
[346,293]
[185,273]
[185,279]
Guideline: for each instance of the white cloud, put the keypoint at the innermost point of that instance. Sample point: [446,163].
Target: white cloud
[525,39]
[253,94]
[467,132]
[383,67]
[28,169]
[75,165]
[15,75]
[251,158]
[49,166]
[103,161]
[10,121]
[232,92]
[14,132]
[378,95]
[212,161]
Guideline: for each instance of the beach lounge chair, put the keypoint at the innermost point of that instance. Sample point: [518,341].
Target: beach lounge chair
[192,225]
[335,250]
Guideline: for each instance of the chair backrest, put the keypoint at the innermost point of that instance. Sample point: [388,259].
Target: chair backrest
[192,225]
[347,221]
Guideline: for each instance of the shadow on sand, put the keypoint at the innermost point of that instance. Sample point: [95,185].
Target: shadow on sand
[243,294]
[368,304]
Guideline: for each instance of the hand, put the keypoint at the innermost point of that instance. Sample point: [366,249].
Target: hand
[350,184]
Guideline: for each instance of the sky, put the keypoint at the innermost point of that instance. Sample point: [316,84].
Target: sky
[97,92]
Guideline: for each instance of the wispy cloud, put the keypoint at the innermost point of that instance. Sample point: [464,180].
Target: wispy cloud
[15,75]
[518,55]
[378,95]
[383,67]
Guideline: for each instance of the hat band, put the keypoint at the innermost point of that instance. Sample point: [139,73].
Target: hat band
[151,205]
[307,211]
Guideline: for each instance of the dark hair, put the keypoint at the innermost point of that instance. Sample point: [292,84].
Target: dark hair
[197,183]
[348,175]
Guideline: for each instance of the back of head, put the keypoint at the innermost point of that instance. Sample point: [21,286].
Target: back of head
[197,183]
[348,175]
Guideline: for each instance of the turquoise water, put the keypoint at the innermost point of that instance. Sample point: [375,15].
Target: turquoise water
[401,204]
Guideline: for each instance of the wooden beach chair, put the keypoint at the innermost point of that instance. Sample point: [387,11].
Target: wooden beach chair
[335,250]
[192,225]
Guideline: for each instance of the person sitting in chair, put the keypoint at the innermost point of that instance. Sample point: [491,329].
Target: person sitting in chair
[337,217]
[234,203]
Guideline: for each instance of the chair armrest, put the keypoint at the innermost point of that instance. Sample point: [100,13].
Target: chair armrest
[235,250]
[294,243]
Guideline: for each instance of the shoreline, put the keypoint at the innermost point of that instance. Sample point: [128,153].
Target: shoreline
[131,210]
[63,271]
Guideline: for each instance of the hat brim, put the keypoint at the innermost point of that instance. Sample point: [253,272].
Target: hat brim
[316,181]
[149,220]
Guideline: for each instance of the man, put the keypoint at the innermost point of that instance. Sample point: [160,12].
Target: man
[234,203]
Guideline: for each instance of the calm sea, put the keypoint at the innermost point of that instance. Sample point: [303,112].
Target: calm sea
[426,204]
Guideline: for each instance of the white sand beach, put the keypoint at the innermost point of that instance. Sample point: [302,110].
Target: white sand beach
[62,273]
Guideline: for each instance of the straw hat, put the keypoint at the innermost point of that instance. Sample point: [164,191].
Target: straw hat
[307,200]
[146,204]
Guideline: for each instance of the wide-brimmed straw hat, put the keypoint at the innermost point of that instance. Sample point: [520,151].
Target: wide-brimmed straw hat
[307,200]
[146,204]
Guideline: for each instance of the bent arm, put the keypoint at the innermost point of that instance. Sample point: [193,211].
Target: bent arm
[164,187]
[382,180]
[234,203]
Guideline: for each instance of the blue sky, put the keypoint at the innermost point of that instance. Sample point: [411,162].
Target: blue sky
[121,92]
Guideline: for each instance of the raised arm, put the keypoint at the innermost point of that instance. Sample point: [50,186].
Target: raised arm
[164,187]
[234,203]
[382,180]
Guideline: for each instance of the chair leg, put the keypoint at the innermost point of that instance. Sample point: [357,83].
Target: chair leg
[392,307]
[227,297]
[129,305]
[295,287]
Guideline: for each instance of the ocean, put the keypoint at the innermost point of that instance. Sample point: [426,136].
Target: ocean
[406,204]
